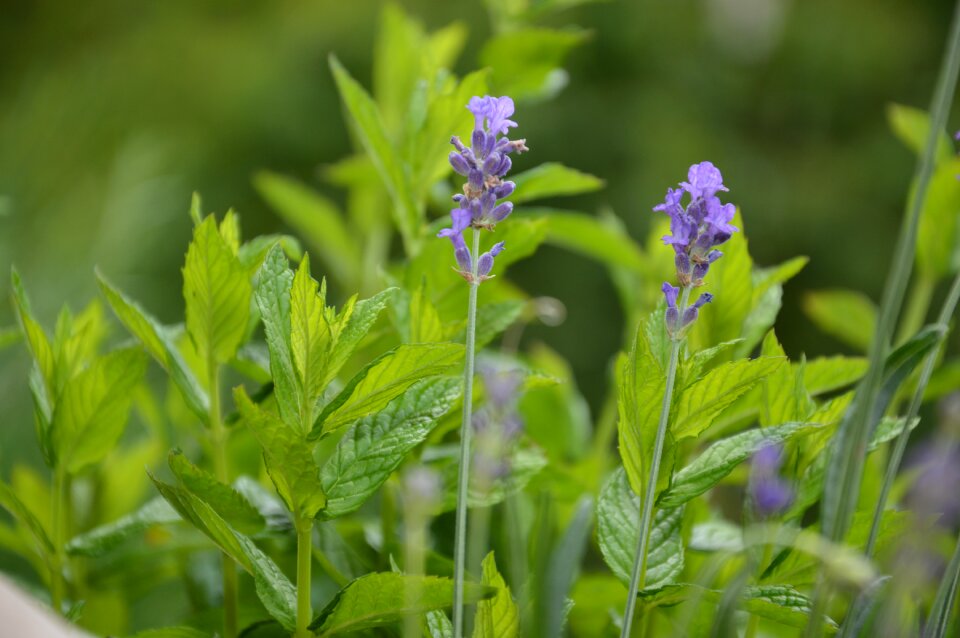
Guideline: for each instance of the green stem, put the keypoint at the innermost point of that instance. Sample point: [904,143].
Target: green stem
[640,559]
[218,434]
[57,585]
[304,555]
[896,456]
[463,479]
[939,618]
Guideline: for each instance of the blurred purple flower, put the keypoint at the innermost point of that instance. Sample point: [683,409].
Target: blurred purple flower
[498,422]
[934,492]
[769,493]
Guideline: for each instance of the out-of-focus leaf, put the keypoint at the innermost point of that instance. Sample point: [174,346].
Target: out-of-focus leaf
[12,503]
[103,539]
[370,129]
[492,319]
[524,464]
[380,599]
[275,591]
[92,411]
[158,341]
[217,292]
[317,219]
[618,522]
[826,374]
[497,617]
[526,61]
[912,127]
[784,395]
[552,180]
[596,238]
[847,315]
[425,324]
[937,236]
[719,459]
[376,445]
[384,378]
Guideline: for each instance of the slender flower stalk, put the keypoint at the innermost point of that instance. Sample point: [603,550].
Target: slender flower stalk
[896,456]
[484,164]
[304,557]
[695,231]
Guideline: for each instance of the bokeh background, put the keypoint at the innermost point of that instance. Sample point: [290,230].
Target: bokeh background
[112,112]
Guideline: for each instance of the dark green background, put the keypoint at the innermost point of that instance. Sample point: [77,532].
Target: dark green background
[112,112]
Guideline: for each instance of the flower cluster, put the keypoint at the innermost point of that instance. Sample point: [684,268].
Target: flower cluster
[695,230]
[769,493]
[484,164]
[498,422]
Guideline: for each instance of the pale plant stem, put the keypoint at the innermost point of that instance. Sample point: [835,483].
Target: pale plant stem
[896,456]
[218,435]
[304,556]
[946,595]
[416,521]
[57,585]
[463,479]
[638,574]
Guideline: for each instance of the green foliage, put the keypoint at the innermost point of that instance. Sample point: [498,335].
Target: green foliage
[380,599]
[552,180]
[497,617]
[849,316]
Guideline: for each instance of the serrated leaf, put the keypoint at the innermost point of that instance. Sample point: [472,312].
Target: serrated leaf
[497,617]
[719,459]
[157,340]
[373,136]
[618,532]
[37,339]
[701,402]
[91,413]
[22,514]
[845,314]
[784,396]
[375,446]
[273,299]
[438,625]
[640,386]
[217,292]
[101,540]
[551,179]
[289,458]
[275,591]
[317,220]
[364,315]
[225,500]
[385,378]
[380,599]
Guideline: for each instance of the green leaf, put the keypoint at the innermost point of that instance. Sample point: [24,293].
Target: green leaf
[552,180]
[425,324]
[827,374]
[526,61]
[217,291]
[275,591]
[722,457]
[603,239]
[101,540]
[766,278]
[226,501]
[438,625]
[158,341]
[375,446]
[700,403]
[373,136]
[492,319]
[92,411]
[937,236]
[317,220]
[364,315]
[273,299]
[380,599]
[385,378]
[912,127]
[37,339]
[784,396]
[641,383]
[22,514]
[497,617]
[618,523]
[524,464]
[171,632]
[9,337]
[288,457]
[847,315]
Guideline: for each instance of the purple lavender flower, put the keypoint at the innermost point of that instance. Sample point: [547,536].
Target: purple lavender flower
[769,493]
[484,164]
[673,314]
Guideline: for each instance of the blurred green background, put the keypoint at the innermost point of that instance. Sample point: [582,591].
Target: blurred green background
[112,112]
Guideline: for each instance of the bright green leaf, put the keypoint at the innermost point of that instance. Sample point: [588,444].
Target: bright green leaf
[526,61]
[552,180]
[101,540]
[847,315]
[497,617]
[912,127]
[273,299]
[225,500]
[22,514]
